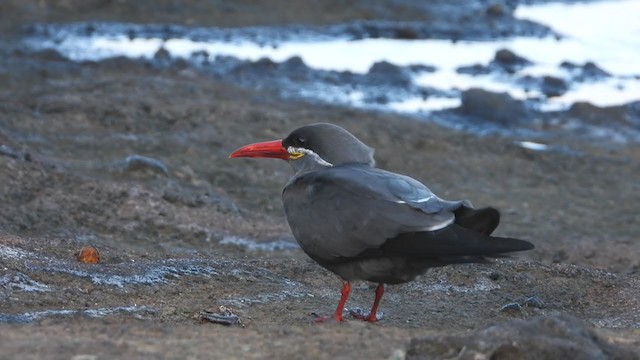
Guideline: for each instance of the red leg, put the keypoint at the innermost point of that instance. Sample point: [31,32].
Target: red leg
[346,289]
[372,317]
[374,309]
[337,316]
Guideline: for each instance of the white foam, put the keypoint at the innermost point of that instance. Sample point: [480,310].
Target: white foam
[22,282]
[254,245]
[100,312]
[611,40]
[530,145]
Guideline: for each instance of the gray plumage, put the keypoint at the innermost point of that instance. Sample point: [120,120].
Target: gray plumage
[350,216]
[364,223]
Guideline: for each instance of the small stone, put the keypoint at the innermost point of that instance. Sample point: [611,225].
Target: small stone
[88,255]
[511,307]
[138,163]
[162,54]
[508,57]
[498,108]
[495,10]
[553,86]
[294,63]
[224,317]
[534,302]
[9,151]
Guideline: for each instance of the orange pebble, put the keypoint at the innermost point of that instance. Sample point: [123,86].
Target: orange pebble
[88,255]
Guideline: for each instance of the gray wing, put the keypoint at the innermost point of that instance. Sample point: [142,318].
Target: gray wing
[345,210]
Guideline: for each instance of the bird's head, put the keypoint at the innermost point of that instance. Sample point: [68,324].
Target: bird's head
[323,144]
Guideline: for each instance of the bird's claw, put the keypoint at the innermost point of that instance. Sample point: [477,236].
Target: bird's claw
[319,319]
[357,313]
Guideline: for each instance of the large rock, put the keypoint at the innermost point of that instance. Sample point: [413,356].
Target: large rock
[503,61]
[508,59]
[388,74]
[627,115]
[499,108]
[544,337]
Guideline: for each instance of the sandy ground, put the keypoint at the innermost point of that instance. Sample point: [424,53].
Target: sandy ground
[170,231]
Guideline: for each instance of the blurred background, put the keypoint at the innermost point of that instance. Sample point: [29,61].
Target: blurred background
[117,119]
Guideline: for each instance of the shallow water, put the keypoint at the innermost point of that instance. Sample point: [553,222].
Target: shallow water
[611,40]
[95,313]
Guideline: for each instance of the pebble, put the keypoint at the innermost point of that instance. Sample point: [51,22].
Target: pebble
[88,255]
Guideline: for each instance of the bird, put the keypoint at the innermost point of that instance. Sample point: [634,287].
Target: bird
[364,223]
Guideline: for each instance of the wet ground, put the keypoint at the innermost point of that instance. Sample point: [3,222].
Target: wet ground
[131,157]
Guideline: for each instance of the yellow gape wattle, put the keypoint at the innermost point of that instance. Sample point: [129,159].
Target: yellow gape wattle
[296,155]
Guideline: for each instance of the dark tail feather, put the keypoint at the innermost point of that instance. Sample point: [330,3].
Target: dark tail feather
[483,221]
[500,245]
[453,240]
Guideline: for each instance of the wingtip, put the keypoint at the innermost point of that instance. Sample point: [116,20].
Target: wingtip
[522,245]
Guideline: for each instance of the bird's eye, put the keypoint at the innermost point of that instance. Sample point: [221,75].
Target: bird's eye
[302,140]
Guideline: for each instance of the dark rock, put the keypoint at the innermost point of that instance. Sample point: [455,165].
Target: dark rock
[590,69]
[476,69]
[586,72]
[265,63]
[627,115]
[509,61]
[201,55]
[50,55]
[545,337]
[552,86]
[136,163]
[422,68]
[495,10]
[385,68]
[503,61]
[294,63]
[384,72]
[508,57]
[250,70]
[511,308]
[380,99]
[495,107]
[7,150]
[225,317]
[406,33]
[534,302]
[162,54]
[89,29]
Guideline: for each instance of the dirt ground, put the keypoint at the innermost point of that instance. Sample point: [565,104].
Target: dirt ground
[133,159]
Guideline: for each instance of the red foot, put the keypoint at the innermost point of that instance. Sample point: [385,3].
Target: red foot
[357,314]
[373,314]
[324,319]
[337,316]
